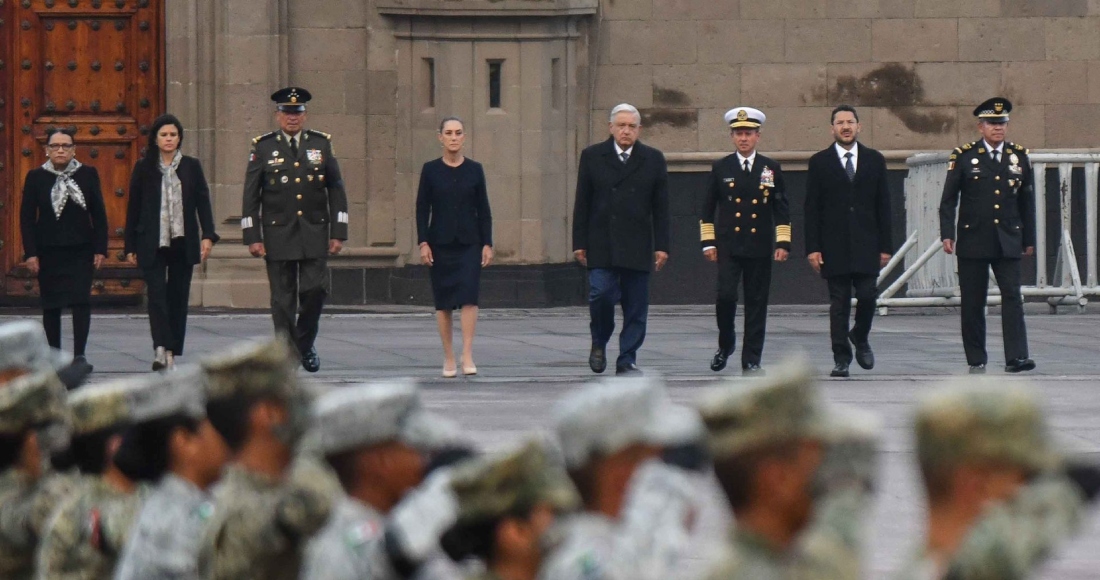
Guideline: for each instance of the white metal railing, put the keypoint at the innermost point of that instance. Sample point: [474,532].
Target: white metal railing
[931,274]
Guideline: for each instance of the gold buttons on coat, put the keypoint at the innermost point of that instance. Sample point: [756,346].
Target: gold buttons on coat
[738,200]
[998,192]
[753,230]
[753,216]
[996,221]
[737,229]
[996,206]
[754,202]
[299,212]
[296,164]
[997,178]
[297,180]
[738,214]
[299,196]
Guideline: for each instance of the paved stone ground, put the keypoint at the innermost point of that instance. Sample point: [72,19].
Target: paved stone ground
[527,359]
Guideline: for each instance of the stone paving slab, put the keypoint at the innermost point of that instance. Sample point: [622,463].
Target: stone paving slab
[528,358]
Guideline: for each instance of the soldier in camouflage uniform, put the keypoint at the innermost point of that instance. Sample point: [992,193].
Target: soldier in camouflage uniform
[378,440]
[505,507]
[27,405]
[637,508]
[1000,498]
[798,477]
[263,513]
[184,454]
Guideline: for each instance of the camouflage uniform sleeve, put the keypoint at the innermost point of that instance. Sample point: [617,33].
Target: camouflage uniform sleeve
[1011,539]
[16,532]
[59,549]
[655,530]
[831,548]
[51,494]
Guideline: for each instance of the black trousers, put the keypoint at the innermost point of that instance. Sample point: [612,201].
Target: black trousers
[168,285]
[756,273]
[840,308]
[298,287]
[974,284]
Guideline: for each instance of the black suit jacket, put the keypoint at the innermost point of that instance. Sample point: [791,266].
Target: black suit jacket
[996,202]
[620,217]
[452,204]
[848,221]
[41,228]
[143,210]
[753,216]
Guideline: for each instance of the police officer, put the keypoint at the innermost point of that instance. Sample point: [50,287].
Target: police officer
[295,215]
[1000,496]
[991,183]
[746,190]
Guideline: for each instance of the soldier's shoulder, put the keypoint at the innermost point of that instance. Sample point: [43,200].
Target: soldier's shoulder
[322,134]
[1019,149]
[261,138]
[964,148]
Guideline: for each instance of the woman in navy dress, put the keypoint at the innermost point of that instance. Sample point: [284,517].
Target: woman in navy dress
[455,231]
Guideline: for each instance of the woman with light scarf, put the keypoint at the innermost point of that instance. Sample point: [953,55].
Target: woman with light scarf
[169,202]
[64,227]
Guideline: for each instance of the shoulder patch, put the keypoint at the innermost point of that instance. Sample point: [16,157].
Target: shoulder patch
[264,137]
[966,147]
[319,133]
[1019,147]
[958,150]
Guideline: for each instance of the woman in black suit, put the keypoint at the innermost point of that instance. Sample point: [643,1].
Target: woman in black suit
[64,226]
[169,201]
[455,231]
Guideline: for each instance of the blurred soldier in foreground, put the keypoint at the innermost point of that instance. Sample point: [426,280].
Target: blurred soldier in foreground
[24,350]
[262,515]
[797,474]
[183,454]
[638,509]
[999,496]
[28,405]
[378,440]
[506,505]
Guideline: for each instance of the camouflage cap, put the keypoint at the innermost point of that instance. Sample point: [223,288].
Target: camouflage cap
[608,416]
[30,401]
[491,487]
[254,369]
[982,421]
[23,345]
[137,400]
[368,414]
[781,407]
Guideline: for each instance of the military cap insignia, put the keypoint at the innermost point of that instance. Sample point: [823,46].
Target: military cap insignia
[742,115]
[998,107]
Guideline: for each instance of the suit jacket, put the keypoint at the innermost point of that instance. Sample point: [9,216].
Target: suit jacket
[848,221]
[452,204]
[41,228]
[620,216]
[753,217]
[996,202]
[294,205]
[143,210]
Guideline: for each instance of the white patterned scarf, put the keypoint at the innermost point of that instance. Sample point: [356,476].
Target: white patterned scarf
[171,201]
[65,187]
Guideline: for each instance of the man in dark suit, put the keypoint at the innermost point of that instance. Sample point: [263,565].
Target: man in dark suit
[990,181]
[753,228]
[621,233]
[848,234]
[295,214]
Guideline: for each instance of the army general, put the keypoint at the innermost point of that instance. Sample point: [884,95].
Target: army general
[295,214]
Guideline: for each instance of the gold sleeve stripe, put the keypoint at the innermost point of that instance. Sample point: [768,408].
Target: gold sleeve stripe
[783,233]
[706,231]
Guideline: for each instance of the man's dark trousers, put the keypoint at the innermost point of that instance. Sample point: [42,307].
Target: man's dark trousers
[840,308]
[298,287]
[974,286]
[608,286]
[757,275]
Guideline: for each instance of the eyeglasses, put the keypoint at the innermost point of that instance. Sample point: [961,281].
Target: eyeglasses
[60,146]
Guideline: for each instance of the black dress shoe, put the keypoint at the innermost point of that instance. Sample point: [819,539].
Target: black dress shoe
[82,366]
[751,369]
[630,369]
[864,355]
[977,369]
[597,359]
[719,361]
[841,370]
[1020,365]
[310,361]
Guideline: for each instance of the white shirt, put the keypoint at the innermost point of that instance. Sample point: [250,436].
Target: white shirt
[741,160]
[620,150]
[841,152]
[990,149]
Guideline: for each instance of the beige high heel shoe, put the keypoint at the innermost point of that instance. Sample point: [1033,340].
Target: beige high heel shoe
[450,373]
[469,370]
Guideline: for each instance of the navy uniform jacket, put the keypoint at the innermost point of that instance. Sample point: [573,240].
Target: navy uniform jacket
[753,217]
[996,202]
[294,206]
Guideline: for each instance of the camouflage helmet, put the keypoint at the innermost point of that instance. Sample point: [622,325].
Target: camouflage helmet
[253,370]
[492,487]
[982,421]
[23,346]
[136,400]
[31,401]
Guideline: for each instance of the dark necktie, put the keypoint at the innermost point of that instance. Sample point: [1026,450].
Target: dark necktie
[624,156]
[996,155]
[848,167]
[294,147]
[747,169]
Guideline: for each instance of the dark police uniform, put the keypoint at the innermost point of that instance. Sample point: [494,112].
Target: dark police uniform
[752,221]
[295,204]
[996,223]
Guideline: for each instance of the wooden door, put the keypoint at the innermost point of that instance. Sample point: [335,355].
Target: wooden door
[95,66]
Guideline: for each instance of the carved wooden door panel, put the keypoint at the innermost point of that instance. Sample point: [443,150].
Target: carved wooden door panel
[95,66]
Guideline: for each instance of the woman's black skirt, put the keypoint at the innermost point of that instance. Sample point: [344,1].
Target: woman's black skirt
[65,275]
[456,275]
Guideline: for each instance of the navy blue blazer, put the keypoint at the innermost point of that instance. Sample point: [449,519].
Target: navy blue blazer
[452,205]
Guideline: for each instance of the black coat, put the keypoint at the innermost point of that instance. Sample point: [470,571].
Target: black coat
[41,228]
[143,210]
[452,205]
[753,217]
[848,221]
[996,202]
[620,217]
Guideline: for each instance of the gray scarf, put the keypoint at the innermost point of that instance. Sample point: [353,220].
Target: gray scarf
[171,201]
[64,188]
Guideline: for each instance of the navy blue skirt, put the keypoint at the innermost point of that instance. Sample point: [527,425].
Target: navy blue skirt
[456,275]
